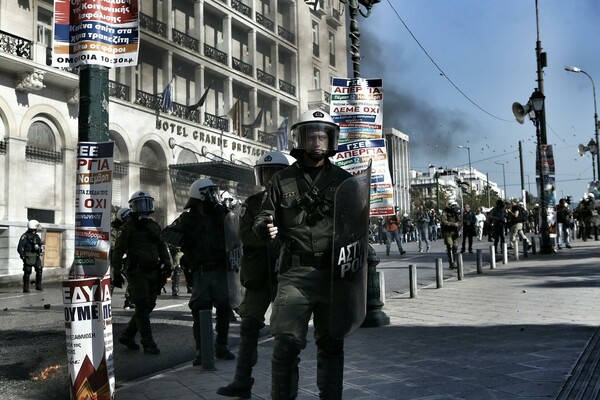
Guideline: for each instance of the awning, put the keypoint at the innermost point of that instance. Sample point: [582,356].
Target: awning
[219,169]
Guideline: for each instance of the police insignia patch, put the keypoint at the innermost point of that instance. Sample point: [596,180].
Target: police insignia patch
[242,211]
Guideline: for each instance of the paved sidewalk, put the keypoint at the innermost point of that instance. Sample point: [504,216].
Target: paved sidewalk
[516,332]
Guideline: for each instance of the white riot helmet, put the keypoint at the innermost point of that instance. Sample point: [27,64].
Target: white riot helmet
[591,195]
[452,204]
[141,203]
[123,214]
[309,124]
[228,200]
[33,224]
[270,163]
[203,190]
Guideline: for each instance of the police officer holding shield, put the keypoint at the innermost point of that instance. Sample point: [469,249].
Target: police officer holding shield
[298,210]
[258,276]
[30,250]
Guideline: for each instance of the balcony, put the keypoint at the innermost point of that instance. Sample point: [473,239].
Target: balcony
[241,66]
[318,98]
[285,34]
[219,123]
[265,77]
[287,87]
[267,138]
[45,156]
[265,22]
[334,19]
[153,25]
[186,41]
[15,45]
[241,8]
[146,99]
[215,54]
[118,90]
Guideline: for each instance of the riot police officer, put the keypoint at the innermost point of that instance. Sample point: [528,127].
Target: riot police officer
[450,226]
[298,210]
[200,232]
[30,250]
[140,240]
[258,267]
[116,226]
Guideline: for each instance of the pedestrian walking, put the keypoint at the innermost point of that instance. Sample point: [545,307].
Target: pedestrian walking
[30,249]
[393,233]
[147,263]
[422,223]
[468,221]
[516,216]
[450,226]
[563,218]
[298,211]
[258,276]
[480,219]
[497,217]
[200,232]
[176,255]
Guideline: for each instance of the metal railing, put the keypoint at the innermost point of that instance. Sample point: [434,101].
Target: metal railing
[241,66]
[287,87]
[150,175]
[265,22]
[153,25]
[287,35]
[43,155]
[2,147]
[147,99]
[242,8]
[216,122]
[185,40]
[267,138]
[265,77]
[15,45]
[118,90]
[215,54]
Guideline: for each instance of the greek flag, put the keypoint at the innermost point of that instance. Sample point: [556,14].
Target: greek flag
[315,4]
[282,135]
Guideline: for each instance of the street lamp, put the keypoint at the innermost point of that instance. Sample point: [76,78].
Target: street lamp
[470,170]
[592,147]
[355,30]
[503,177]
[597,154]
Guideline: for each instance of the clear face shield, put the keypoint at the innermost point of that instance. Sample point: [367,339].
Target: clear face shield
[317,139]
[142,206]
[211,194]
[263,173]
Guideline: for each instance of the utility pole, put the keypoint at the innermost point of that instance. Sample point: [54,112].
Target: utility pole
[523,195]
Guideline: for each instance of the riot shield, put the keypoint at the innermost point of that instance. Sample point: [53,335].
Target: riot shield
[350,249]
[233,247]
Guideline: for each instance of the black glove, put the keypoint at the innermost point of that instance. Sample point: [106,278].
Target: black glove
[118,279]
[166,270]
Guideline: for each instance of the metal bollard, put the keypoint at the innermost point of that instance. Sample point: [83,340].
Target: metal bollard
[479,261]
[206,338]
[492,257]
[533,246]
[504,253]
[516,248]
[525,250]
[412,277]
[439,273]
[459,267]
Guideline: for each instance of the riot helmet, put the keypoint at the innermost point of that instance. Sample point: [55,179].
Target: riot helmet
[270,163]
[316,134]
[33,224]
[203,191]
[452,204]
[123,214]
[141,203]
[228,200]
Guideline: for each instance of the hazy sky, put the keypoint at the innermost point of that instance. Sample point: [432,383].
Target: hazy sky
[487,49]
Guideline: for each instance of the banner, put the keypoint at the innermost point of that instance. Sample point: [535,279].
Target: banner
[93,197]
[95,32]
[88,326]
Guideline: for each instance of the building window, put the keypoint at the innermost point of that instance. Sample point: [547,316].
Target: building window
[44,26]
[317,78]
[41,136]
[331,44]
[315,38]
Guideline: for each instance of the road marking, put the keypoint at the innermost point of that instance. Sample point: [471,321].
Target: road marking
[171,306]
[20,295]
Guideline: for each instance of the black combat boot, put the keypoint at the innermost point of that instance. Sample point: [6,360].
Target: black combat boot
[330,376]
[197,338]
[175,282]
[247,357]
[450,254]
[222,327]
[127,338]
[26,283]
[150,346]
[38,281]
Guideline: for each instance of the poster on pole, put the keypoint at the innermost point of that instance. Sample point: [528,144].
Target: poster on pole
[356,106]
[89,336]
[95,32]
[93,198]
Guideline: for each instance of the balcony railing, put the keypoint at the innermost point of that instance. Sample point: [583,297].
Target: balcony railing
[153,25]
[43,155]
[215,54]
[147,99]
[3,147]
[118,90]
[267,138]
[327,97]
[265,77]
[219,123]
[241,66]
[264,21]
[186,41]
[15,45]
[242,8]
[150,175]
[287,35]
[120,169]
[287,87]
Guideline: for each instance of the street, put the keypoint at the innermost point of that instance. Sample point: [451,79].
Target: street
[32,341]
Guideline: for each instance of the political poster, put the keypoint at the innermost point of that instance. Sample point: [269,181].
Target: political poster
[89,336]
[356,106]
[95,32]
[93,196]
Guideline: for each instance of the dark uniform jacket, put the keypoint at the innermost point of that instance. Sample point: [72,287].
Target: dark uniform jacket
[140,240]
[450,222]
[302,208]
[26,247]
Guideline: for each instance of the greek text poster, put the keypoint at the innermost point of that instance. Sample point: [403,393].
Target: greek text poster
[93,197]
[98,32]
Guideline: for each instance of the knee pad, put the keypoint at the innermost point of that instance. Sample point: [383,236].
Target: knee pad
[285,349]
[330,346]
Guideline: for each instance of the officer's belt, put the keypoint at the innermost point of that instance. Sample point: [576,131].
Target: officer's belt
[320,260]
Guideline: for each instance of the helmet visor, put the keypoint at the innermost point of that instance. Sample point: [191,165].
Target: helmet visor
[316,137]
[210,194]
[263,173]
[142,205]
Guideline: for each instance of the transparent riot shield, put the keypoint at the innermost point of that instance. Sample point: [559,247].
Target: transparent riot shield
[350,249]
[233,247]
